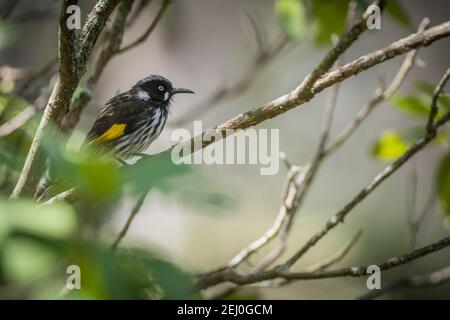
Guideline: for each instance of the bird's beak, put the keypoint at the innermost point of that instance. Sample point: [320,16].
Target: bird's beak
[180,90]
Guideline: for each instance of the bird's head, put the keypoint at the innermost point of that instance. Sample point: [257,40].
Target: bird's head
[157,88]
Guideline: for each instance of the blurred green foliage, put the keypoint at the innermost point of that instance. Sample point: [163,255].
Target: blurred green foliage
[443,183]
[7,33]
[292,18]
[326,17]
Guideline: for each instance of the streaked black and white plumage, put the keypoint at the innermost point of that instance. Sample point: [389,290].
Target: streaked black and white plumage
[132,120]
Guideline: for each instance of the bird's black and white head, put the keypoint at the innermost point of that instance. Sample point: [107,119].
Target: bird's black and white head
[157,88]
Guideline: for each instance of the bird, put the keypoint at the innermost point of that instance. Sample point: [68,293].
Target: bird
[126,125]
[129,122]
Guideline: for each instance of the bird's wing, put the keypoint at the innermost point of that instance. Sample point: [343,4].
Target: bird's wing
[119,117]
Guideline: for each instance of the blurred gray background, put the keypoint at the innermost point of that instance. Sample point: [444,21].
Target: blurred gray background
[206,44]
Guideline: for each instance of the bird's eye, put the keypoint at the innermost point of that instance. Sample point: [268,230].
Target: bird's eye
[161,88]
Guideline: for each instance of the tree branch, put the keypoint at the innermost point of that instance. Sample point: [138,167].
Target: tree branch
[72,67]
[232,276]
[109,50]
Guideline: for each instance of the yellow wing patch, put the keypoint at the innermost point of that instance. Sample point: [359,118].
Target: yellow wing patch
[114,132]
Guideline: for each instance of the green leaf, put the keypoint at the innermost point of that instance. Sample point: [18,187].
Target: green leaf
[24,260]
[443,184]
[7,34]
[389,146]
[56,220]
[411,105]
[97,178]
[425,87]
[398,13]
[292,18]
[173,282]
[154,171]
[392,144]
[328,18]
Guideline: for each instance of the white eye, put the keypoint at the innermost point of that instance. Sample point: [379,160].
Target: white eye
[161,88]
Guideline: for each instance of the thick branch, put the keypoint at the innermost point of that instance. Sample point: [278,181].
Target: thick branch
[69,75]
[111,47]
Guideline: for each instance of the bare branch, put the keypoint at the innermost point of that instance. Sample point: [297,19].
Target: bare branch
[230,275]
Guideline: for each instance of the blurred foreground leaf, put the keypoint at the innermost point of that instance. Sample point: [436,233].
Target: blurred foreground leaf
[131,274]
[443,184]
[57,220]
[154,171]
[31,238]
[411,105]
[328,18]
[7,34]
[292,18]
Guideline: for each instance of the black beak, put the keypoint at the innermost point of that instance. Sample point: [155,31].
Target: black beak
[180,90]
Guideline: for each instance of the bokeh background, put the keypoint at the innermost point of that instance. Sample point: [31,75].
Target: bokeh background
[208,44]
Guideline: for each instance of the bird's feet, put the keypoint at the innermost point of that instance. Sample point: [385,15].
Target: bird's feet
[140,154]
[122,162]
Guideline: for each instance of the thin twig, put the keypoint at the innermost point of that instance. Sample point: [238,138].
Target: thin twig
[434,99]
[165,4]
[43,72]
[326,263]
[338,256]
[132,215]
[412,282]
[9,9]
[263,59]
